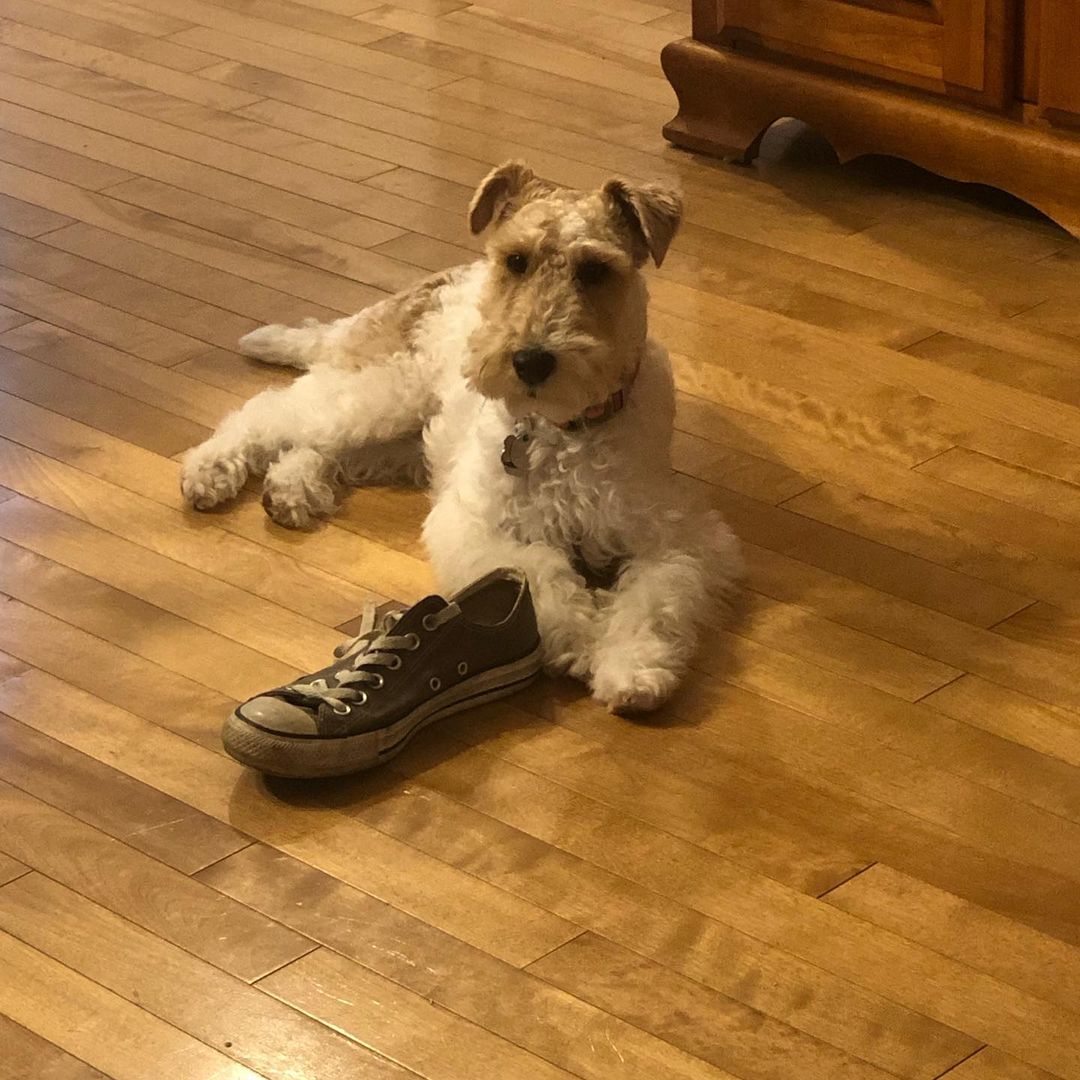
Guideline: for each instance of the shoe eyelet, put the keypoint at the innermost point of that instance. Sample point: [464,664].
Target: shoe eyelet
[463,668]
[435,684]
[343,711]
[380,684]
[428,623]
[413,644]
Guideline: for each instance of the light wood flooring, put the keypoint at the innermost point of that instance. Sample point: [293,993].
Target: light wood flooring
[849,851]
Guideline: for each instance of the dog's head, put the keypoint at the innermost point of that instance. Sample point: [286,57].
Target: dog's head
[563,306]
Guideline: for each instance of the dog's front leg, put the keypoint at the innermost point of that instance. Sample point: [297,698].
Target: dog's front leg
[650,631]
[464,546]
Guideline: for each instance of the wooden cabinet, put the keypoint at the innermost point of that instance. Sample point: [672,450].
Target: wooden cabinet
[952,47]
[979,90]
[1056,60]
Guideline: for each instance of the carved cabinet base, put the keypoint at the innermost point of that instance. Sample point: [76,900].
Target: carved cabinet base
[727,99]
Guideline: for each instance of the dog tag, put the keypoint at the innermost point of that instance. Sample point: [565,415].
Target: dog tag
[515,454]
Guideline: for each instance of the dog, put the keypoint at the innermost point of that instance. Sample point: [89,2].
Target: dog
[525,388]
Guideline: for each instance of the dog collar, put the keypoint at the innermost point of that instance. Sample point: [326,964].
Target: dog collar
[515,451]
[598,414]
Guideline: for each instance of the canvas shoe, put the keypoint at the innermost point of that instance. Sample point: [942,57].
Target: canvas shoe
[405,669]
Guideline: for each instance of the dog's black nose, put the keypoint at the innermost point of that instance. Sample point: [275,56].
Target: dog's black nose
[534,365]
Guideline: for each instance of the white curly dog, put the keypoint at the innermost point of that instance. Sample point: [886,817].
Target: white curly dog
[526,388]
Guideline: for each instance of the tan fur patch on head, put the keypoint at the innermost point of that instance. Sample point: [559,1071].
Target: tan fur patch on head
[563,277]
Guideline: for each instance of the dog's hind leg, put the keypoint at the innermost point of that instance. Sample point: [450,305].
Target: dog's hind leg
[329,413]
[355,341]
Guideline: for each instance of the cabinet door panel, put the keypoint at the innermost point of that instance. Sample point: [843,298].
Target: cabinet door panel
[962,48]
[1059,61]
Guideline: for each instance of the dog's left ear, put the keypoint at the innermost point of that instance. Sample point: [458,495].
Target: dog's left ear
[653,213]
[500,192]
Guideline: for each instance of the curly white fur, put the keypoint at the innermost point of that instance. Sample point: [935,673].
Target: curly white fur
[598,495]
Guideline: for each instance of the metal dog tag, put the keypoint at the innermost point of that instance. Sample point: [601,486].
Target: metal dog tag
[515,454]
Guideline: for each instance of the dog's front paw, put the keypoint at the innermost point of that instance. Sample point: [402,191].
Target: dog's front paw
[296,491]
[626,688]
[207,479]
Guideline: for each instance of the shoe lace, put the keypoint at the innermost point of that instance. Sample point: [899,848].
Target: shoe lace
[374,646]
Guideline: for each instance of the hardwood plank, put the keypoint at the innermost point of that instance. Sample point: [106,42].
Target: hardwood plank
[119,806]
[186,275]
[834,647]
[237,257]
[199,163]
[51,303]
[1043,624]
[991,1064]
[10,319]
[325,38]
[421,1036]
[455,976]
[487,64]
[143,890]
[453,900]
[324,598]
[59,164]
[123,291]
[867,559]
[123,14]
[699,1020]
[25,219]
[241,616]
[79,26]
[557,61]
[876,384]
[982,939]
[225,126]
[81,1018]
[27,1054]
[1015,664]
[994,563]
[212,1006]
[1012,715]
[122,66]
[108,410]
[107,670]
[872,1038]
[425,251]
[347,260]
[364,562]
[1024,488]
[797,799]
[10,869]
[216,662]
[160,388]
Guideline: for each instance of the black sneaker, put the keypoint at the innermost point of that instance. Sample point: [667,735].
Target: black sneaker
[404,670]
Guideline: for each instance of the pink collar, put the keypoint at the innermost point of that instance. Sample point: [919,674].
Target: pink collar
[602,412]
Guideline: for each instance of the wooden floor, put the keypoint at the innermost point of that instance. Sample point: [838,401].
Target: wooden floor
[849,851]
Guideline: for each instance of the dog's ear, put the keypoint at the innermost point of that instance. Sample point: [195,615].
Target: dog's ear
[499,192]
[653,213]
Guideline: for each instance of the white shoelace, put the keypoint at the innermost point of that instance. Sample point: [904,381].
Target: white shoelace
[373,646]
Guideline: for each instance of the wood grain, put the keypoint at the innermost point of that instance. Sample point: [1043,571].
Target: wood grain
[847,850]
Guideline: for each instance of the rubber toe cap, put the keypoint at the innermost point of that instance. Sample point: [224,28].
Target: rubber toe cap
[276,714]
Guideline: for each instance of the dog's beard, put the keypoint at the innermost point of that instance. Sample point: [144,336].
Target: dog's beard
[581,378]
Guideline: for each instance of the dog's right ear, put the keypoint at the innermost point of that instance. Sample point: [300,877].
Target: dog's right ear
[497,191]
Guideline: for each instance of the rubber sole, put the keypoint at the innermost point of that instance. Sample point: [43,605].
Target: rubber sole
[311,758]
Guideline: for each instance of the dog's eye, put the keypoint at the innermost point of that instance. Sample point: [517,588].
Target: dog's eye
[592,272]
[517,263]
